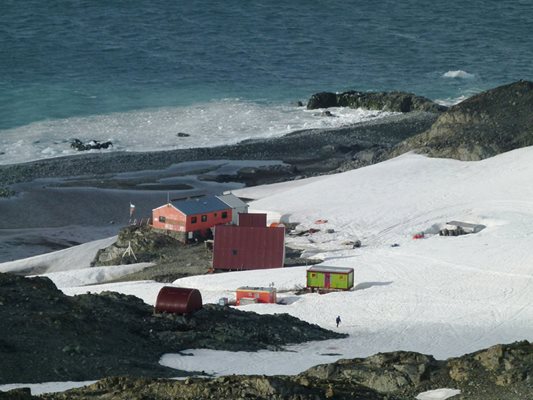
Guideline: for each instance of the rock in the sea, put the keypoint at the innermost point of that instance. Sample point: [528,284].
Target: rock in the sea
[482,126]
[91,145]
[322,100]
[386,101]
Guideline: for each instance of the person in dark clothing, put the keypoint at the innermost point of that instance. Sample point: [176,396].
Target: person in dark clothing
[338,320]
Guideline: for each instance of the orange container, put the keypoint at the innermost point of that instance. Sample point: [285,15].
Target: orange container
[260,294]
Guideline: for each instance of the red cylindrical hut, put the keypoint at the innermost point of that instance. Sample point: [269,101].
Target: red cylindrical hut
[178,300]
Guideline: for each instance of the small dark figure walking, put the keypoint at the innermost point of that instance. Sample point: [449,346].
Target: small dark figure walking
[338,320]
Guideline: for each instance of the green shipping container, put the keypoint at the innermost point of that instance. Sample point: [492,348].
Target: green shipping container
[325,277]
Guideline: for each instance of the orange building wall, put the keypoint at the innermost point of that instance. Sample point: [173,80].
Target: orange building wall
[262,296]
[176,221]
[213,218]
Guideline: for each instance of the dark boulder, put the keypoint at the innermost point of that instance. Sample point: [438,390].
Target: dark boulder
[386,101]
[322,100]
[91,145]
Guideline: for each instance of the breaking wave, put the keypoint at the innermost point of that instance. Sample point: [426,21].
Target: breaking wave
[459,74]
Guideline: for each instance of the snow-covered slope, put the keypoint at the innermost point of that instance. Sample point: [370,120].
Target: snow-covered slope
[439,295]
[68,259]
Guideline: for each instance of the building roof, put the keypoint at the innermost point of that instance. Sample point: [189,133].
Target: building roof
[248,247]
[326,268]
[232,200]
[464,224]
[200,205]
[269,289]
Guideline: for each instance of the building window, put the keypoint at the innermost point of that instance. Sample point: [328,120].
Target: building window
[234,252]
[204,218]
[224,214]
[162,219]
[216,214]
[193,220]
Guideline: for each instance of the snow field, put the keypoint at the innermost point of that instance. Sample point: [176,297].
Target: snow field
[444,296]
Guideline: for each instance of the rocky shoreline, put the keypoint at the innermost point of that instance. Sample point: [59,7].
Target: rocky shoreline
[307,153]
[491,122]
[487,124]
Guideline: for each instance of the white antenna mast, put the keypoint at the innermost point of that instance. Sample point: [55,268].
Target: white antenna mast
[129,252]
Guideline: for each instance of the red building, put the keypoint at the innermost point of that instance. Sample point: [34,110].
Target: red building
[249,295]
[248,247]
[195,217]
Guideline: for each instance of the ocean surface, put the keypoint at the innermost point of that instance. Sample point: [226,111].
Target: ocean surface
[139,73]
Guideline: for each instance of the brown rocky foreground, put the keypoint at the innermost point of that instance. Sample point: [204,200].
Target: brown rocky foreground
[48,336]
[501,372]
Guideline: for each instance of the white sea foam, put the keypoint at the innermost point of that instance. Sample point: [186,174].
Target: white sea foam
[208,124]
[451,101]
[458,74]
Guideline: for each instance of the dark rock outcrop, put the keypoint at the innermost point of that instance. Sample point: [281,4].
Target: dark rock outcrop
[147,245]
[393,372]
[48,336]
[386,101]
[501,365]
[482,126]
[227,388]
[500,372]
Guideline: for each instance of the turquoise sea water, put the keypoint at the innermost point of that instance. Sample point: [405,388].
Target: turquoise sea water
[65,59]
